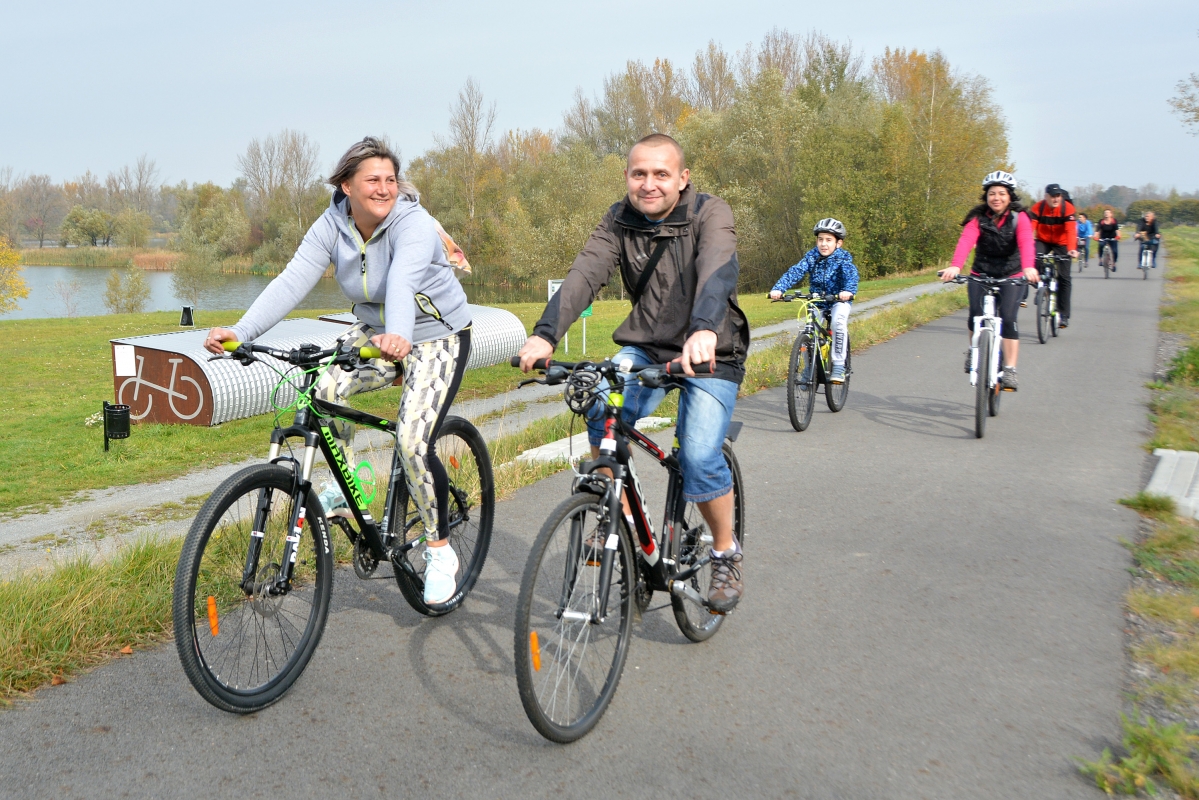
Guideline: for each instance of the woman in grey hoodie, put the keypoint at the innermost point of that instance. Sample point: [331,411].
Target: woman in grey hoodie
[391,264]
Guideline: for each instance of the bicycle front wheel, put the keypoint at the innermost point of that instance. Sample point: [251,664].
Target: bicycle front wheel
[982,398]
[471,503]
[801,382]
[835,394]
[1043,315]
[1105,261]
[243,644]
[568,666]
[692,542]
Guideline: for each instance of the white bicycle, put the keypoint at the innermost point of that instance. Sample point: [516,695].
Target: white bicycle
[986,351]
[138,382]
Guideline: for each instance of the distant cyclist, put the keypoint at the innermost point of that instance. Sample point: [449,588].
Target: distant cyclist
[1108,234]
[1086,229]
[1056,232]
[1000,233]
[832,273]
[1150,236]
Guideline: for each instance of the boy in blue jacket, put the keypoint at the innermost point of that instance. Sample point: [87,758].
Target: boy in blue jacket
[832,273]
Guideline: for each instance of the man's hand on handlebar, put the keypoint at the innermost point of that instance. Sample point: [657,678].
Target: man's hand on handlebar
[535,349]
[394,346]
[216,337]
[700,348]
[948,274]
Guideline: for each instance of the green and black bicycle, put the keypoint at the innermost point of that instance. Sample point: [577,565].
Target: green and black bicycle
[255,576]
[811,359]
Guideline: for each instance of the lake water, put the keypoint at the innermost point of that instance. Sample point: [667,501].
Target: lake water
[234,292]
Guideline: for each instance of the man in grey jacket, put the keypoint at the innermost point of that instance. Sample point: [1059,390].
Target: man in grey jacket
[676,250]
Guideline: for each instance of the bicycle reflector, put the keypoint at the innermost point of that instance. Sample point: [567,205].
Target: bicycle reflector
[535,651]
[213,624]
[116,422]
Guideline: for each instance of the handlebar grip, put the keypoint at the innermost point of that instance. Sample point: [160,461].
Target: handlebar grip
[676,368]
[230,347]
[366,353]
[541,363]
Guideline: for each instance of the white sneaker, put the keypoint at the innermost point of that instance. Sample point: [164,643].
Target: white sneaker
[441,574]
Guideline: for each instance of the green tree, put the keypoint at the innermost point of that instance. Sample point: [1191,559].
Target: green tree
[133,227]
[84,226]
[126,291]
[195,274]
[12,285]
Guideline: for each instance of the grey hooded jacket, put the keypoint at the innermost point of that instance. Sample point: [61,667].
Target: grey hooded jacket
[399,281]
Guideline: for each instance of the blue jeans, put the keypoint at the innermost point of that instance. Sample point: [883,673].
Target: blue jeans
[705,410]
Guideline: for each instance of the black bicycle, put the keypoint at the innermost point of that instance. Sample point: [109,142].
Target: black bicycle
[811,362]
[582,579]
[1083,254]
[1106,259]
[253,583]
[1048,315]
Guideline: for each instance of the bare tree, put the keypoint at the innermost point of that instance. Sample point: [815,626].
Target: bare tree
[260,167]
[282,166]
[67,292]
[1186,102]
[579,121]
[136,185]
[471,122]
[41,205]
[713,83]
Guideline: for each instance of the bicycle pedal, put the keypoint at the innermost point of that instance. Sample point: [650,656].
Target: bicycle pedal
[1006,389]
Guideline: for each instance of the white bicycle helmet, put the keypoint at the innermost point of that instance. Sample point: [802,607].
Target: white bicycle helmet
[999,178]
[830,225]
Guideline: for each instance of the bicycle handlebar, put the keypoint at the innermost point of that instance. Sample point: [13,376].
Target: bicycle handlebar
[302,356]
[988,280]
[814,297]
[670,367]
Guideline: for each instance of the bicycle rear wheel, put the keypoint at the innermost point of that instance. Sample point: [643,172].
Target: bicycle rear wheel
[981,390]
[1042,315]
[242,649]
[463,453]
[801,382]
[690,543]
[568,667]
[835,394]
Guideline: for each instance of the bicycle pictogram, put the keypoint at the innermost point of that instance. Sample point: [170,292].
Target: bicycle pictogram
[138,382]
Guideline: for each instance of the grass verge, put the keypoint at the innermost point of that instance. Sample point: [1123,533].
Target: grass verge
[1160,738]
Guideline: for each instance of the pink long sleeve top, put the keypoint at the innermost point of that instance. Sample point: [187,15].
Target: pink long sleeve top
[1024,242]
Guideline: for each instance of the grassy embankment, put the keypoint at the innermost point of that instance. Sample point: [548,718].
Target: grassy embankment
[102,257]
[83,612]
[1159,745]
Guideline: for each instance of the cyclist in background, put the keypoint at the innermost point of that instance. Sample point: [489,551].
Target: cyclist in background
[676,251]
[1056,232]
[833,273]
[1108,234]
[1086,229]
[1000,233]
[387,251]
[1149,235]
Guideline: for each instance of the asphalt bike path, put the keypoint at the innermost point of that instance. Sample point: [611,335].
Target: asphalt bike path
[927,615]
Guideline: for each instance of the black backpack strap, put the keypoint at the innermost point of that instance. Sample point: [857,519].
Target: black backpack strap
[650,267]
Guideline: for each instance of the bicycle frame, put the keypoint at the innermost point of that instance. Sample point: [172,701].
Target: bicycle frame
[990,321]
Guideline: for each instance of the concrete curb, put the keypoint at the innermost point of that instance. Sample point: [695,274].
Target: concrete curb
[1175,477]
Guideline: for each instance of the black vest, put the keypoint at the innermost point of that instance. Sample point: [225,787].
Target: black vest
[996,255]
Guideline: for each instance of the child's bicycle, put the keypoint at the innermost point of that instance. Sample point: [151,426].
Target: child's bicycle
[254,579]
[811,359]
[986,351]
[575,609]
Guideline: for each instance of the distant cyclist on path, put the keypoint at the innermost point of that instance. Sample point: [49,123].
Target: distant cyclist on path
[1108,234]
[1056,232]
[1150,236]
[1086,229]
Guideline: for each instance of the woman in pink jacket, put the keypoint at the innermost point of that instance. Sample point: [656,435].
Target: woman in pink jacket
[1000,233]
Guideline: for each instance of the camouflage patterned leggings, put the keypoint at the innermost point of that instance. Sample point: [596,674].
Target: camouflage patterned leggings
[432,373]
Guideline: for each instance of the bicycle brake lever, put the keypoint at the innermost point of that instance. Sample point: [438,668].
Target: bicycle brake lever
[527,381]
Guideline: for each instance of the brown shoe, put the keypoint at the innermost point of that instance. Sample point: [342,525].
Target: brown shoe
[725,588]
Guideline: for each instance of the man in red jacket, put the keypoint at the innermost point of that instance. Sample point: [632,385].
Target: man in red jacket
[1056,231]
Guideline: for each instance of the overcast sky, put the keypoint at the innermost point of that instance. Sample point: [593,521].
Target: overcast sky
[93,85]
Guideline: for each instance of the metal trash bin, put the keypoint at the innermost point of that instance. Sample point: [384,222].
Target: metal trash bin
[116,422]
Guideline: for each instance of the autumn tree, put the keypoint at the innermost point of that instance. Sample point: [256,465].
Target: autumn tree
[126,291]
[12,285]
[41,203]
[284,193]
[469,143]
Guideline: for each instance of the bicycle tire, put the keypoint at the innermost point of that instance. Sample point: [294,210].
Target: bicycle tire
[472,486]
[690,544]
[801,393]
[561,708]
[835,394]
[1042,301]
[1053,321]
[981,400]
[996,392]
[285,629]
[1105,261]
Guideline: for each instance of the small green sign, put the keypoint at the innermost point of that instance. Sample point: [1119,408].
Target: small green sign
[586,312]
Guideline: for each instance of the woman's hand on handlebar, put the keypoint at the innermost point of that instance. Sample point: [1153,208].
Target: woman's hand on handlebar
[394,346]
[948,274]
[535,349]
[1031,275]
[216,337]
[700,348]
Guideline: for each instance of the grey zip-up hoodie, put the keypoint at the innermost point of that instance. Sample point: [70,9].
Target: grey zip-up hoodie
[399,281]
